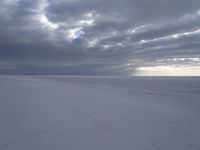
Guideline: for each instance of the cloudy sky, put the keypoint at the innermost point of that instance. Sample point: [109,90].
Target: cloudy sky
[100,37]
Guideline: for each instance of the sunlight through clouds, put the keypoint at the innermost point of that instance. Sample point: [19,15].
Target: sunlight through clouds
[168,71]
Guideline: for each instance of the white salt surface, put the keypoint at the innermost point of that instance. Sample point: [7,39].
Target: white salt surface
[99,113]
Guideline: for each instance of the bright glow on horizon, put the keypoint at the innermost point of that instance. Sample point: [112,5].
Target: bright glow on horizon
[168,71]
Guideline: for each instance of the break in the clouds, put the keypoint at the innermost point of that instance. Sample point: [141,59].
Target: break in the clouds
[100,37]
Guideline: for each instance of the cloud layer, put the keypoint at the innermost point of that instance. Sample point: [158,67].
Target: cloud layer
[97,37]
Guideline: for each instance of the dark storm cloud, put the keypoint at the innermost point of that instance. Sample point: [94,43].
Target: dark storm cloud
[96,36]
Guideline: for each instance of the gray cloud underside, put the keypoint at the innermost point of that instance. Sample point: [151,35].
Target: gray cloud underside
[97,36]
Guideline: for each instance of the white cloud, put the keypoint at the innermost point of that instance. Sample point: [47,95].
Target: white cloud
[138,29]
[88,22]
[74,33]
[92,43]
[171,37]
[46,23]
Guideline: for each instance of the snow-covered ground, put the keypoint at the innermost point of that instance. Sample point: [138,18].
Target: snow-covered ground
[99,113]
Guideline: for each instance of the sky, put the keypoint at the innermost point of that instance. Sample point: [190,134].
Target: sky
[100,37]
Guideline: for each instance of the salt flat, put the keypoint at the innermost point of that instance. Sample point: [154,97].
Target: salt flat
[99,113]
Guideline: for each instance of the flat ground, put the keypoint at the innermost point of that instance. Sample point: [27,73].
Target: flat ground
[99,113]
